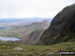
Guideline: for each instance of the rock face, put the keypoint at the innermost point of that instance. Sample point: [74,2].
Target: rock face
[34,37]
[62,27]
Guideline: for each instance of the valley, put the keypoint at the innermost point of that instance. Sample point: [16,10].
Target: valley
[29,34]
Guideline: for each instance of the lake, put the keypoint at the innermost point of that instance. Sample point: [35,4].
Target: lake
[9,38]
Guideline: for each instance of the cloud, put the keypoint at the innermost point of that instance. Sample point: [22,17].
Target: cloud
[32,8]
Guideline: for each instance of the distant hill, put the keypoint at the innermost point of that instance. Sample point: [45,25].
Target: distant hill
[62,27]
[12,20]
[5,22]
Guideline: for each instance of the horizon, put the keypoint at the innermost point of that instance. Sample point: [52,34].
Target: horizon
[10,20]
[25,18]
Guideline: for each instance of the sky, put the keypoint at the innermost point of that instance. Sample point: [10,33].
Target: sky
[32,8]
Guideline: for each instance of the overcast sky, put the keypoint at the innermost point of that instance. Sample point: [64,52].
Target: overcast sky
[32,8]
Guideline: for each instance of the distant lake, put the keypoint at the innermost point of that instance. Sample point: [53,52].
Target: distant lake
[9,38]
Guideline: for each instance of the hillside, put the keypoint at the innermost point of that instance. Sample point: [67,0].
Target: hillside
[62,27]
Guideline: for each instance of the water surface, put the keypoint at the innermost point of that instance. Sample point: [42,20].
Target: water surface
[9,38]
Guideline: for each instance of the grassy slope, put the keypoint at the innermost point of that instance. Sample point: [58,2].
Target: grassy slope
[33,49]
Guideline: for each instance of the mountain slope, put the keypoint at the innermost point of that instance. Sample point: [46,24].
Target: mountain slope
[62,27]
